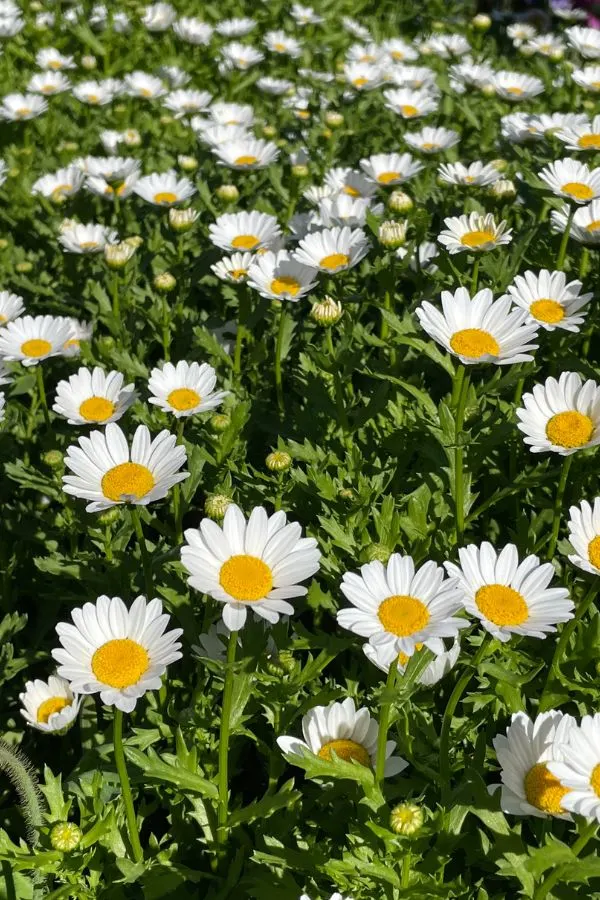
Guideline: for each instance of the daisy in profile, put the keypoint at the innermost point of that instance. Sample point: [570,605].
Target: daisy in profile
[344,180]
[474,233]
[164,189]
[246,153]
[363,76]
[49,706]
[187,102]
[340,209]
[509,597]
[283,44]
[341,729]
[477,174]
[384,656]
[117,652]
[32,339]
[277,276]
[158,16]
[410,104]
[237,27]
[89,238]
[390,168]
[93,397]
[305,15]
[561,416]
[515,86]
[447,45]
[233,268]
[398,607]
[50,58]
[96,93]
[250,565]
[11,307]
[240,56]
[193,31]
[579,769]
[250,231]
[141,84]
[275,86]
[581,137]
[520,128]
[479,329]
[60,185]
[48,83]
[432,140]
[585,225]
[333,249]
[185,389]
[107,472]
[413,77]
[241,114]
[585,40]
[572,179]
[550,301]
[526,754]
[584,535]
[588,78]
[20,107]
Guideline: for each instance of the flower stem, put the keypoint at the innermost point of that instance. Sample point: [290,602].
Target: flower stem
[166,328]
[475,278]
[278,351]
[406,861]
[134,837]
[460,391]
[42,394]
[177,504]
[340,406]
[558,505]
[116,305]
[242,332]
[146,561]
[384,721]
[556,875]
[223,784]
[565,239]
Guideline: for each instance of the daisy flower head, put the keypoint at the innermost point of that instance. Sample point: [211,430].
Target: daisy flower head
[93,397]
[584,535]
[49,706]
[89,238]
[237,27]
[143,85]
[240,56]
[32,339]
[340,209]
[341,729]
[256,564]
[11,307]
[275,86]
[476,174]
[588,78]
[108,473]
[216,135]
[397,607]
[520,128]
[585,40]
[233,268]
[561,416]
[277,276]
[507,596]
[585,224]
[59,185]
[193,31]
[479,329]
[390,168]
[384,656]
[581,136]
[348,181]
[579,770]
[116,652]
[20,107]
[187,102]
[79,331]
[305,15]
[363,76]
[283,44]
[244,231]
[399,51]
[526,754]
[515,86]
[447,45]
[474,233]
[241,114]
[413,76]
[572,179]
[164,189]
[158,16]
[432,140]
[50,58]
[96,93]
[246,153]
[333,250]
[185,389]
[550,301]
[48,83]
[410,104]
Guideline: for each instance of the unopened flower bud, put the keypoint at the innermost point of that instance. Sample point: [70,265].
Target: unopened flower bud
[164,282]
[109,516]
[269,131]
[499,164]
[406,818]
[216,505]
[327,311]
[392,234]
[227,192]
[182,220]
[300,171]
[68,146]
[88,62]
[53,459]
[334,119]
[282,663]
[3,243]
[400,202]
[65,836]
[187,163]
[166,119]
[327,134]
[135,241]
[503,189]
[132,138]
[481,22]
[278,461]
[219,422]
[378,552]
[24,267]
[488,90]
[120,109]
[117,256]
[346,494]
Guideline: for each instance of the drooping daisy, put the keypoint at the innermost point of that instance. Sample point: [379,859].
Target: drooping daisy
[164,188]
[410,104]
[31,339]
[233,268]
[561,416]
[107,472]
[48,83]
[117,652]
[278,276]
[11,307]
[397,607]
[526,754]
[572,179]
[341,729]
[193,31]
[477,174]
[185,389]
[581,137]
[474,233]
[246,153]
[333,249]
[89,238]
[255,565]
[432,140]
[515,86]
[20,107]
[585,40]
[390,168]
[584,535]
[579,769]
[250,231]
[93,397]
[509,597]
[59,185]
[141,84]
[550,300]
[49,706]
[383,656]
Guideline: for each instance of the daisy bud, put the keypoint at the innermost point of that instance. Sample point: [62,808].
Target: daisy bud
[88,62]
[14,172]
[347,494]
[166,120]
[300,171]
[164,282]
[132,138]
[24,267]
[481,22]
[53,459]
[187,163]
[182,220]
[281,664]
[378,552]
[589,105]
[134,241]
[110,516]
[120,109]
[556,55]
[117,256]
[327,312]
[392,234]
[406,818]
[278,461]
[503,189]
[334,119]
[65,836]
[36,6]
[488,90]
[227,192]
[269,131]
[400,202]
[220,422]
[438,26]
[216,505]
[3,243]
[68,146]
[499,164]
[327,134]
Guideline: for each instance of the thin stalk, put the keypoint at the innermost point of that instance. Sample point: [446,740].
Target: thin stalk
[177,499]
[132,827]
[584,262]
[340,406]
[242,332]
[384,721]
[42,394]
[146,561]
[406,868]
[461,389]
[558,505]
[278,351]
[565,238]
[556,875]
[116,301]
[166,329]
[475,278]
[223,782]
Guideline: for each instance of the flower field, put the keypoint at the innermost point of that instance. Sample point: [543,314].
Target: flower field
[300,415]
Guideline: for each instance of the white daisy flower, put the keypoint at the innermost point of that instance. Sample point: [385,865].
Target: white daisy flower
[158,16]
[49,706]
[588,78]
[50,58]
[355,28]
[187,102]
[305,15]
[117,652]
[141,84]
[244,231]
[277,276]
[585,40]
[550,301]
[216,135]
[193,31]
[48,83]
[509,597]
[80,331]
[519,32]
[275,86]
[427,252]
[96,93]
[233,268]
[255,565]
[515,86]
[236,27]
[390,168]
[398,50]
[240,114]
[246,153]
[106,472]
[584,535]
[432,140]
[584,136]
[585,224]
[477,174]
[365,53]
[93,397]
[363,76]
[341,729]
[185,389]
[240,56]
[282,43]
[384,655]
[561,416]
[31,339]
[348,181]
[526,754]
[413,77]
[470,74]
[579,770]
[59,185]
[572,179]
[89,238]
[333,249]
[20,107]
[164,188]
[11,307]
[410,104]
[520,128]
[474,233]
[340,209]
[447,45]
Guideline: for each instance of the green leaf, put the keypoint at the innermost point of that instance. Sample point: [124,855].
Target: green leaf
[156,768]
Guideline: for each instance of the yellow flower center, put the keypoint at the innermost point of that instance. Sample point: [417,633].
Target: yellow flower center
[478,238]
[403,659]
[302,113]
[589,140]
[334,261]
[546,310]
[346,750]
[388,177]
[409,111]
[60,190]
[429,145]
[285,285]
[245,242]
[96,409]
[55,64]
[145,92]
[502,605]
[515,91]
[50,706]
[595,780]
[351,191]
[366,58]
[120,663]
[36,347]
[281,48]
[543,790]
[596,84]
[578,190]
[92,98]
[360,82]
[127,480]
[48,89]
[397,54]
[594,551]
[88,245]
[236,274]
[183,399]
[23,111]
[474,343]
[569,429]
[593,226]
[403,615]
[165,197]
[469,179]
[245,161]
[246,578]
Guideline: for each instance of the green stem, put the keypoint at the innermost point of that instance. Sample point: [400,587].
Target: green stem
[134,836]
[340,406]
[460,390]
[177,497]
[384,721]
[406,868]
[554,877]
[584,262]
[166,329]
[558,505]
[475,278]
[146,561]
[242,332]
[278,351]
[565,239]
[223,783]
[116,304]
[42,394]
